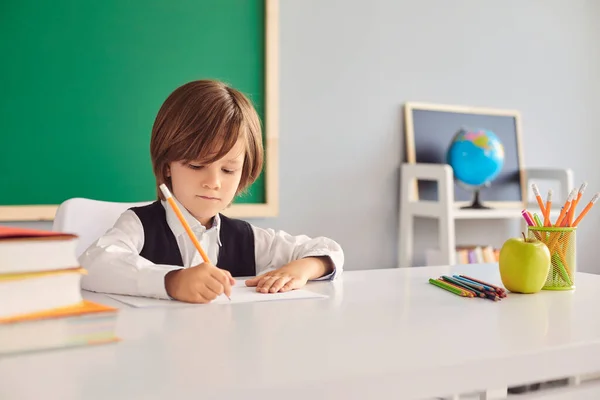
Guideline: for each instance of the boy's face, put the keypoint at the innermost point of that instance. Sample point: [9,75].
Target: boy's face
[205,190]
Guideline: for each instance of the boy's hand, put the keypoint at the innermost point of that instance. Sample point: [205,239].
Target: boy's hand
[291,276]
[199,284]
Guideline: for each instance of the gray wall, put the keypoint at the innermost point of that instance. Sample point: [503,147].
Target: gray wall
[347,66]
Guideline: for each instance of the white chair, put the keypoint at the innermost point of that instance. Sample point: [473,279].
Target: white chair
[89,219]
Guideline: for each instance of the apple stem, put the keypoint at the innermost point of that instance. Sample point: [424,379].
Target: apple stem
[524,238]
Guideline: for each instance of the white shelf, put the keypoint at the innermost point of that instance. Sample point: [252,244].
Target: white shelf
[447,212]
[432,209]
[496,213]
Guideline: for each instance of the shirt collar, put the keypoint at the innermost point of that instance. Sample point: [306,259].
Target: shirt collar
[194,224]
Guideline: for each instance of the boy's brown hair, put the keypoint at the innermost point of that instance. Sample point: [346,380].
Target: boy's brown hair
[201,121]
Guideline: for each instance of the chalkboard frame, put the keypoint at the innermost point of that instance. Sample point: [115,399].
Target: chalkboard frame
[411,132]
[269,208]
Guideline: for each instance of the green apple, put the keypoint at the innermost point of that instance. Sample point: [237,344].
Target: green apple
[524,264]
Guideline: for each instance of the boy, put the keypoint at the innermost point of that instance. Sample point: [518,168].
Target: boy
[206,146]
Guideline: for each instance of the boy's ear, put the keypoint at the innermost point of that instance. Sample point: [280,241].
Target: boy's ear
[168,171]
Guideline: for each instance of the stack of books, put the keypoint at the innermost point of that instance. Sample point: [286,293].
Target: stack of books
[41,306]
[476,254]
[467,254]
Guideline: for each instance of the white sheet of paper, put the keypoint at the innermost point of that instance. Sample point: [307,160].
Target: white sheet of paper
[240,293]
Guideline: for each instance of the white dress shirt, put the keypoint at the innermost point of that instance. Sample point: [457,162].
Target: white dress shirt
[114,264]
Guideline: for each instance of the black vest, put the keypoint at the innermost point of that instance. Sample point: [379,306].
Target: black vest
[236,254]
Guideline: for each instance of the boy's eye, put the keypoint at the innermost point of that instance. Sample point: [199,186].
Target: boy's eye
[194,166]
[228,171]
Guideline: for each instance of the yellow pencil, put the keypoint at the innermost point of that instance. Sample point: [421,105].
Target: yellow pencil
[548,208]
[576,202]
[586,209]
[167,193]
[538,197]
[566,207]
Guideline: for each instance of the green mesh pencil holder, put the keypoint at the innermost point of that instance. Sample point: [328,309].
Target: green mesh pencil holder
[561,242]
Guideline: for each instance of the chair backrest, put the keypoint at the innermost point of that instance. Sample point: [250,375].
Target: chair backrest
[89,219]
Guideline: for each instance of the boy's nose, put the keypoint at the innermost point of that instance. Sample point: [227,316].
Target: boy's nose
[212,182]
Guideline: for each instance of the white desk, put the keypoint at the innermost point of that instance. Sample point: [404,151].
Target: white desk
[381,334]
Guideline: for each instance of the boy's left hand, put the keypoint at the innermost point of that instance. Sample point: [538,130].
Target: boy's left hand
[291,276]
[284,279]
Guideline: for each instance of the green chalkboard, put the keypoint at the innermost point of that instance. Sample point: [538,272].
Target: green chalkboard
[82,81]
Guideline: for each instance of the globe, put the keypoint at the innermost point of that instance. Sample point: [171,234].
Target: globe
[477,157]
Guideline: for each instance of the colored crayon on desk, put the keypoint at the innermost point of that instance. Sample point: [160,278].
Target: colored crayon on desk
[456,282]
[476,285]
[447,287]
[488,292]
[469,292]
[470,284]
[496,288]
[485,291]
[493,297]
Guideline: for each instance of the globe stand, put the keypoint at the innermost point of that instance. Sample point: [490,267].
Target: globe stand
[476,204]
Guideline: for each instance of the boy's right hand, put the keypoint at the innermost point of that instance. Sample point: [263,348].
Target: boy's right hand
[199,284]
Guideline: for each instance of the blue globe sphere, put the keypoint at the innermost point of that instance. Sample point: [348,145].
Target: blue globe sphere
[476,156]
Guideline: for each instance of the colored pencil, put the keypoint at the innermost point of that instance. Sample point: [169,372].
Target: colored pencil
[538,197]
[475,285]
[167,193]
[566,217]
[447,287]
[548,208]
[482,289]
[562,270]
[469,292]
[527,218]
[463,286]
[571,213]
[538,221]
[493,297]
[466,288]
[496,288]
[566,207]
[586,209]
